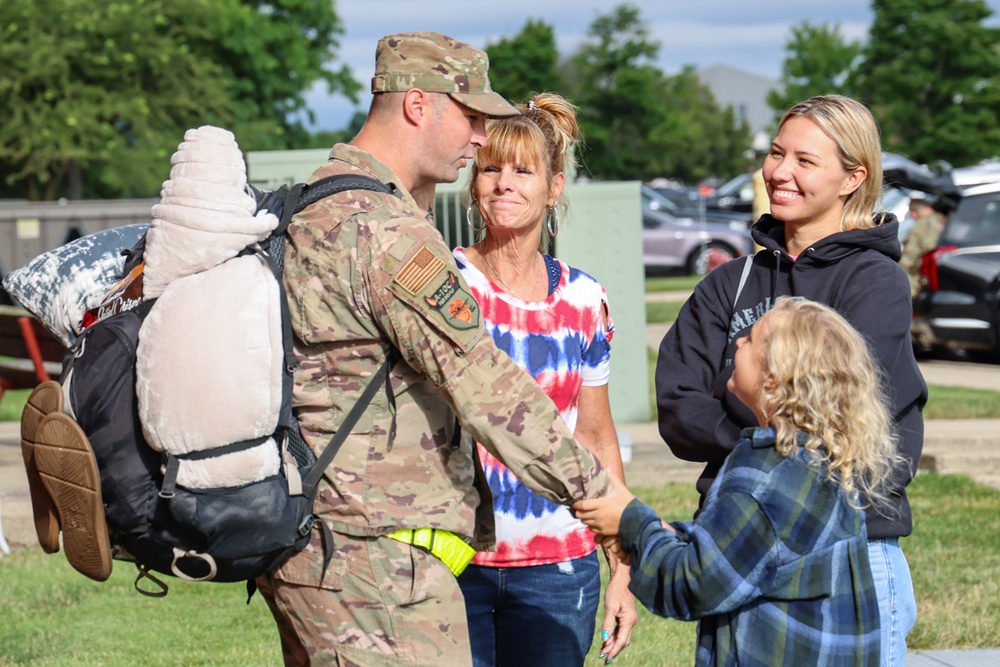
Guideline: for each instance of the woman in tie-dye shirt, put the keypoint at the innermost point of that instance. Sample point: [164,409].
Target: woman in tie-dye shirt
[534,600]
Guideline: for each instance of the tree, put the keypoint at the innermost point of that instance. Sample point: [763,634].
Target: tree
[697,139]
[931,73]
[525,63]
[96,96]
[613,81]
[639,123]
[272,52]
[327,138]
[84,85]
[818,61]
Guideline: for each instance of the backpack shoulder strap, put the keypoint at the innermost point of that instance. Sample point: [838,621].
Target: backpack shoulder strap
[302,195]
[293,199]
[298,197]
[323,461]
[747,265]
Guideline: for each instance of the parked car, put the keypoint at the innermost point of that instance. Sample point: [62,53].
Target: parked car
[682,197]
[692,207]
[734,195]
[672,244]
[959,303]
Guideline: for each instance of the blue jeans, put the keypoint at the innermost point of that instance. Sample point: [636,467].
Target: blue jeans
[536,615]
[897,606]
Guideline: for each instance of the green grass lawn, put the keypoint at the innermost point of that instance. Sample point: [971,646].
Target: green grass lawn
[54,616]
[671,283]
[961,403]
[12,404]
[660,312]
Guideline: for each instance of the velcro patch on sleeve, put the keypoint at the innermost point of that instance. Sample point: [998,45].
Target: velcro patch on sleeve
[455,303]
[419,271]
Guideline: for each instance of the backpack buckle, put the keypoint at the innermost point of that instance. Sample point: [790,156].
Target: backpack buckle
[307,525]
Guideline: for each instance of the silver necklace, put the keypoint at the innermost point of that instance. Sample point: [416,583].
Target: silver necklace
[504,282]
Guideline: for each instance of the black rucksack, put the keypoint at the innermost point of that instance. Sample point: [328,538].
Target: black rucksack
[218,534]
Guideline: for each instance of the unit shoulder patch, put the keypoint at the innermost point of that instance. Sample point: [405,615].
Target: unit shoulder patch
[456,305]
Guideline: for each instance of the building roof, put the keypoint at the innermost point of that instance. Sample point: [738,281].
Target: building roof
[746,92]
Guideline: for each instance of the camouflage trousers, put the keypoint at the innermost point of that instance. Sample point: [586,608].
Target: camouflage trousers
[380,603]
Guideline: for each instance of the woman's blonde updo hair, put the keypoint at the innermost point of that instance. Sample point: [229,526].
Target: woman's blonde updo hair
[545,134]
[853,128]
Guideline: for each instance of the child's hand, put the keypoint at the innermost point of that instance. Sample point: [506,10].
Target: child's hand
[603,515]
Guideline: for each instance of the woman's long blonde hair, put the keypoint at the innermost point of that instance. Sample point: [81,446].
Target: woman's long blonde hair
[544,134]
[821,380]
[853,128]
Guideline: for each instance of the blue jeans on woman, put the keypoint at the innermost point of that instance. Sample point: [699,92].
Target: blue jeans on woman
[897,605]
[536,615]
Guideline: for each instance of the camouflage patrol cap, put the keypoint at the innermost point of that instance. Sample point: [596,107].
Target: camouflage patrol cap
[437,64]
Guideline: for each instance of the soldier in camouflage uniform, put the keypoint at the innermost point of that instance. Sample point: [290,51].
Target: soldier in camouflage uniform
[367,275]
[922,237]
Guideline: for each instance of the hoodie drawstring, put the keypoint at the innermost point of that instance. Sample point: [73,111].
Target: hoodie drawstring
[774,275]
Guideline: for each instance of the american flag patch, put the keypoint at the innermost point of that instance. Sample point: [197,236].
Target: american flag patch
[419,271]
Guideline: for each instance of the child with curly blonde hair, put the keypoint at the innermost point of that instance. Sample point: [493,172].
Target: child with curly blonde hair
[775,568]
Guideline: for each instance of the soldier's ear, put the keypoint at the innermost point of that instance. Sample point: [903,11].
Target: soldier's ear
[417,106]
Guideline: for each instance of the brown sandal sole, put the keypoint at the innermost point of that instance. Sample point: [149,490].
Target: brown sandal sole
[44,400]
[69,471]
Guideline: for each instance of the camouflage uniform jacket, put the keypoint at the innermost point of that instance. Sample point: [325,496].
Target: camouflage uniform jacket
[920,240]
[367,272]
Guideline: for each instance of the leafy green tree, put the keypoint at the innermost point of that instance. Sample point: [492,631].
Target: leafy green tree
[614,82]
[525,63]
[272,52]
[932,77]
[327,138]
[639,123]
[86,85]
[96,96]
[819,61]
[697,139]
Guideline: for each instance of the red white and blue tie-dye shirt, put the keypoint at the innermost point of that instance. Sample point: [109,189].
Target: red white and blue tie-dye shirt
[564,343]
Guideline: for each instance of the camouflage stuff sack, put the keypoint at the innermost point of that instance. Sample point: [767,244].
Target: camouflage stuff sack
[221,534]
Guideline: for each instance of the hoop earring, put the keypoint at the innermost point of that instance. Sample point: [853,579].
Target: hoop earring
[552,222]
[468,219]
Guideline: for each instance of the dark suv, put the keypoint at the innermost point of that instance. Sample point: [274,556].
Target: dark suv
[959,304]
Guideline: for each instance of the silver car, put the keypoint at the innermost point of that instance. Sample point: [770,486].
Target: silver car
[672,244]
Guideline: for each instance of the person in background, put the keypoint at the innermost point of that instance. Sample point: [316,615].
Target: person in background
[821,241]
[775,567]
[534,600]
[928,221]
[369,281]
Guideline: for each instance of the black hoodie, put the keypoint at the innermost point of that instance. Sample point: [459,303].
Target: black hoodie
[856,273]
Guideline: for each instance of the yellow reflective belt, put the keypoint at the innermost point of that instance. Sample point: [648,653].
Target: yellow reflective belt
[448,547]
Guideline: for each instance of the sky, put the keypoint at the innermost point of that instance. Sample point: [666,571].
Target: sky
[747,35]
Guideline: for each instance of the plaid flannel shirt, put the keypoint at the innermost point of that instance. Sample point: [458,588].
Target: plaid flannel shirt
[775,568]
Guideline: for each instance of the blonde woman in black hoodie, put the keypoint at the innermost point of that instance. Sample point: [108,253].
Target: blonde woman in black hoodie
[821,241]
